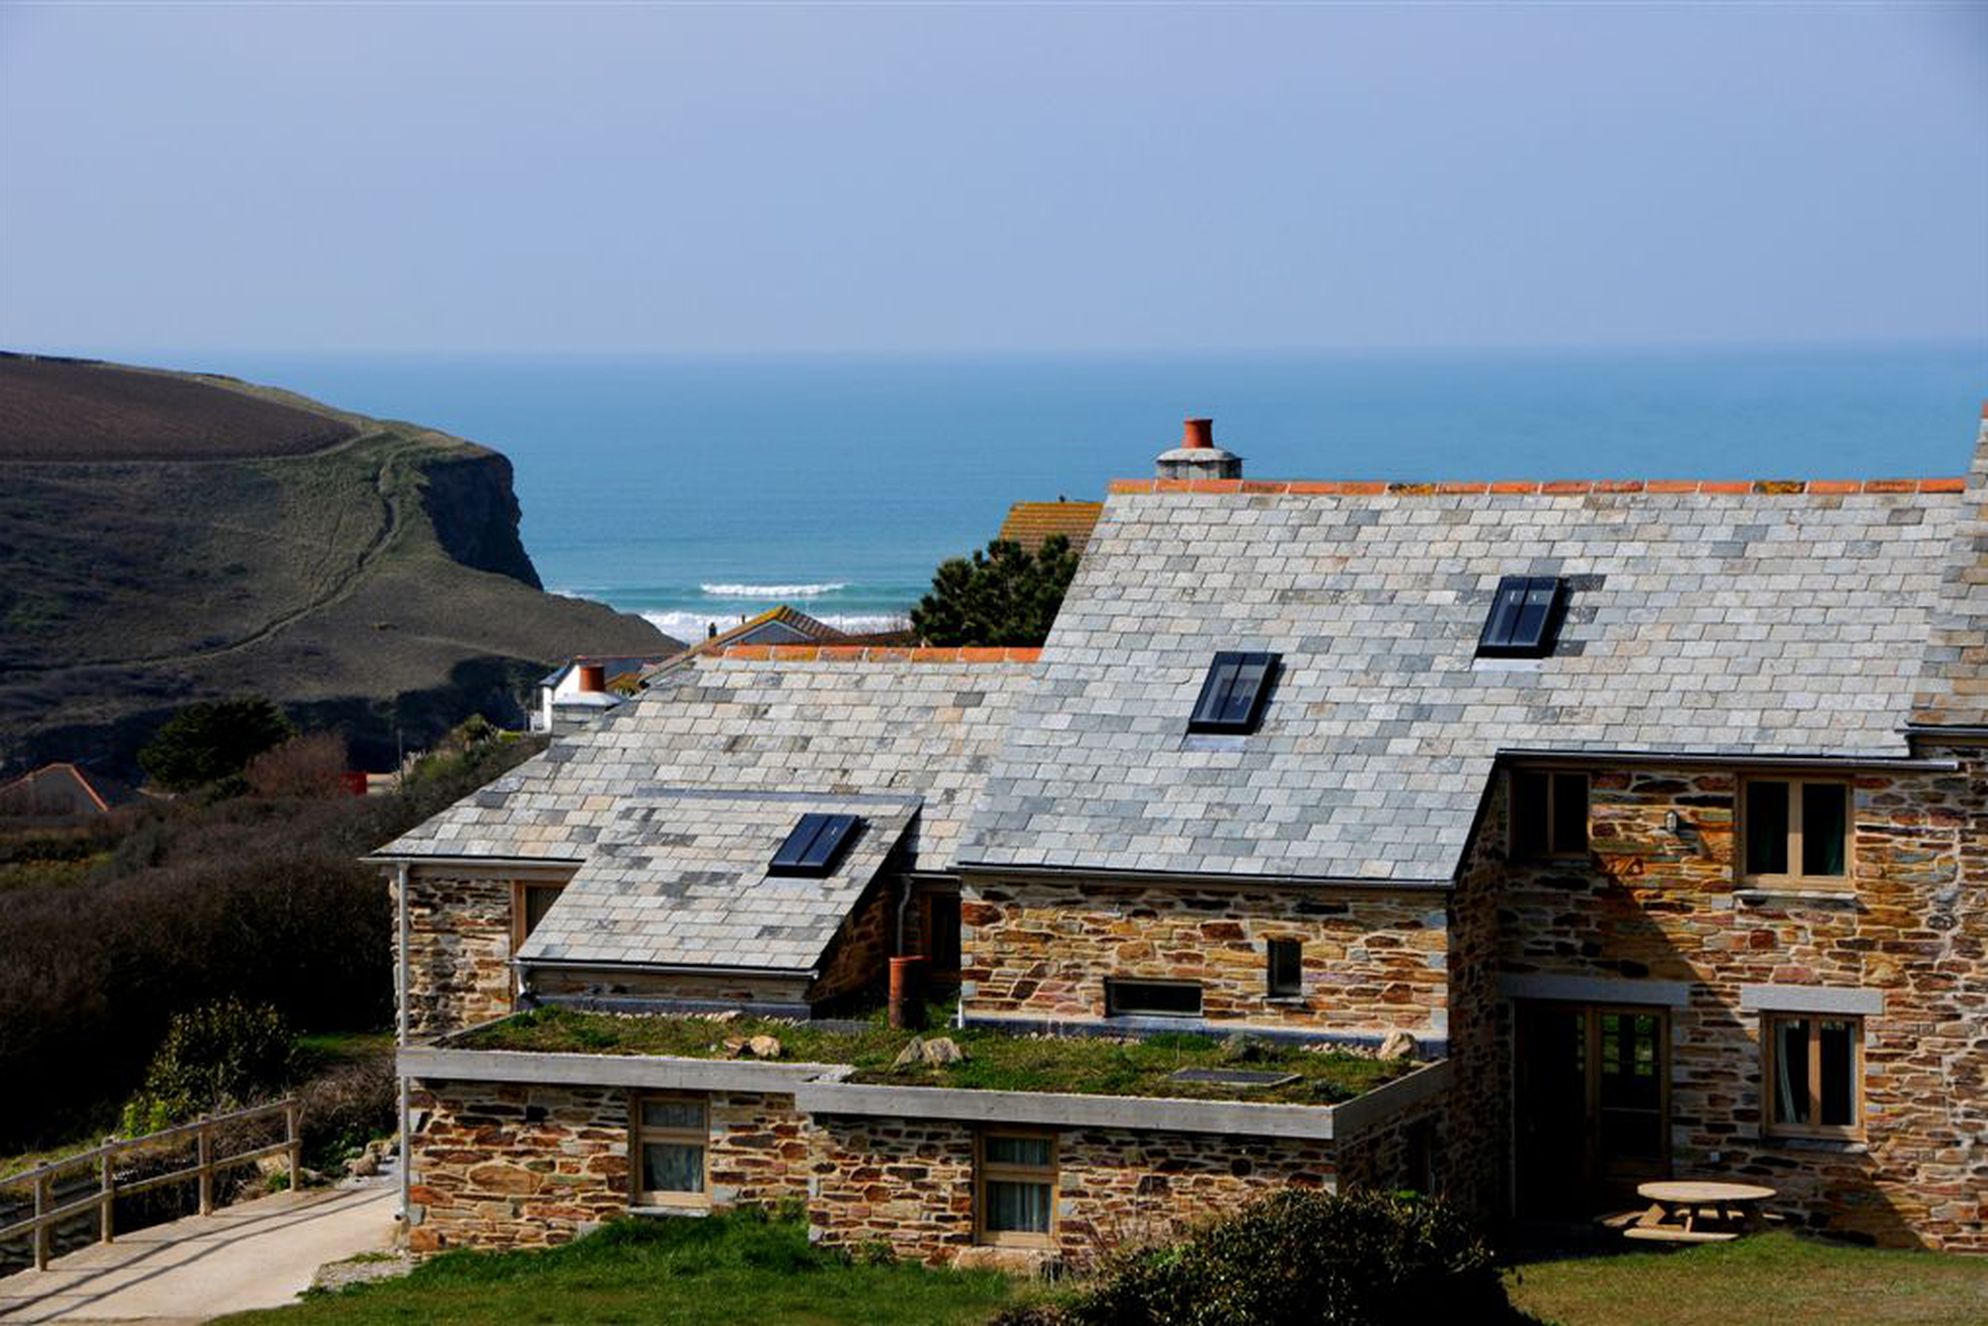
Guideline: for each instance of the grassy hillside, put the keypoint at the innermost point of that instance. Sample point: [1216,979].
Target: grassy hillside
[358,571]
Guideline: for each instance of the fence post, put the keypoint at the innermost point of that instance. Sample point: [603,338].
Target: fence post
[294,1133]
[204,1149]
[42,1205]
[107,1198]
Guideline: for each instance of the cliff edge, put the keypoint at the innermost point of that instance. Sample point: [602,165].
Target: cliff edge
[170,537]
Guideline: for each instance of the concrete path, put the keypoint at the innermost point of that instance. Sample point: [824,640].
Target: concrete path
[256,1254]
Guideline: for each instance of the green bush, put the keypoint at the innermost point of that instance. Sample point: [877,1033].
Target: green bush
[209,743]
[1304,1256]
[219,1056]
[1004,596]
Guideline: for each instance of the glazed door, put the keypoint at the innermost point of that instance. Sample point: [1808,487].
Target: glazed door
[1592,1107]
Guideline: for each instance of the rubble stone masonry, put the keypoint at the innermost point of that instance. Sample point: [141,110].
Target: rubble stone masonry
[459,949]
[509,1166]
[1660,904]
[1374,960]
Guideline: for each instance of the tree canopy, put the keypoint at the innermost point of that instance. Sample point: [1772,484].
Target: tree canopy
[1003,596]
[207,742]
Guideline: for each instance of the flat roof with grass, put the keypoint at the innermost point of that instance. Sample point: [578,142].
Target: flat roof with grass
[995,1060]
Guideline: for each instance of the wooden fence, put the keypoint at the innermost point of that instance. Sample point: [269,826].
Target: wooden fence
[109,1188]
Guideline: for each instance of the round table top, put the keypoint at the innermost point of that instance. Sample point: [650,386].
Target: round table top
[1697,1190]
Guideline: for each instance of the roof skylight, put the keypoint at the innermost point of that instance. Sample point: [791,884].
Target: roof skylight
[815,845]
[1233,696]
[1524,613]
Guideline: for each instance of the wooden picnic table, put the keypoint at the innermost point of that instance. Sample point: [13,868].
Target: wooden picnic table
[1698,1211]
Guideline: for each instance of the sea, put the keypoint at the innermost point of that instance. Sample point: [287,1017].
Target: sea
[699,490]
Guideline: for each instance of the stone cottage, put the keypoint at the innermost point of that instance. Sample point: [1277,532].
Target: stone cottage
[1655,813]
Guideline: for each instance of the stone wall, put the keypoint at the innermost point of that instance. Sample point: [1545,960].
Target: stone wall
[1660,905]
[459,932]
[858,960]
[909,1184]
[1374,961]
[507,1166]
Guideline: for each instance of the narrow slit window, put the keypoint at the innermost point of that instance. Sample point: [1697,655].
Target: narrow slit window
[1286,968]
[1233,696]
[1524,613]
[1180,999]
[815,845]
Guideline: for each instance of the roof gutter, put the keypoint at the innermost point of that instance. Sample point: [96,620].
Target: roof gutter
[472,862]
[1647,759]
[668,968]
[1203,879]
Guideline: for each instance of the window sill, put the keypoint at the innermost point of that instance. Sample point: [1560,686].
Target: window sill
[1843,1146]
[1285,1000]
[1761,891]
[697,1211]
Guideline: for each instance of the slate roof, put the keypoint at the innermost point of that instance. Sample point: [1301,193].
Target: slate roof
[835,720]
[1724,618]
[679,879]
[777,625]
[1953,683]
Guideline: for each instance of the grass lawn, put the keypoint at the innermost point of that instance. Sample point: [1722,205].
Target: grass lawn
[1084,1065]
[720,1270]
[1777,1278]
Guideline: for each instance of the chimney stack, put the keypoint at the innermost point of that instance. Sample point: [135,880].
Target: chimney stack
[593,678]
[1197,456]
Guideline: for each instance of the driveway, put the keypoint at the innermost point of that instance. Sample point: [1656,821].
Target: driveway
[257,1254]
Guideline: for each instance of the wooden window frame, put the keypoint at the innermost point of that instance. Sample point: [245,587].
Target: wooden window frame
[1843,883]
[520,890]
[1770,1127]
[1514,850]
[985,1174]
[1296,989]
[639,1134]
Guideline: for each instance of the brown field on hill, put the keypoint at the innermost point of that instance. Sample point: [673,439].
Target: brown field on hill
[75,410]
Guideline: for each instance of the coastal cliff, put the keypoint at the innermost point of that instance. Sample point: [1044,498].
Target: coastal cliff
[167,537]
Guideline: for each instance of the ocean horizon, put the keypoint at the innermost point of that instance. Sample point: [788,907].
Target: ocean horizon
[697,491]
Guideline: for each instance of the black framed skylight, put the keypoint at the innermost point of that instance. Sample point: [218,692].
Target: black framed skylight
[1233,696]
[1525,614]
[815,845]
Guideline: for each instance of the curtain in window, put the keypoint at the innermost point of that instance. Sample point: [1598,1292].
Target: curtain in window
[1839,1073]
[1825,826]
[1766,828]
[1018,1208]
[1791,1070]
[672,1167]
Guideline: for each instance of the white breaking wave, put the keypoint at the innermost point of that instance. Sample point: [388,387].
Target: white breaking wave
[691,627]
[773,591]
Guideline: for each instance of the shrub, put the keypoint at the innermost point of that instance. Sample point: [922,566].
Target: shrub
[219,1056]
[346,1107]
[1304,1256]
[1004,596]
[209,742]
[312,765]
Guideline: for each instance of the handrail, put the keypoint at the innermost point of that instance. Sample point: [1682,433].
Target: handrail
[105,1198]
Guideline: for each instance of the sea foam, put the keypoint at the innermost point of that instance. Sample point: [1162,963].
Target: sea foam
[773,591]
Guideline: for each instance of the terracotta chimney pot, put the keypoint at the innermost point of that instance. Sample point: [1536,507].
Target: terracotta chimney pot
[1198,434]
[593,677]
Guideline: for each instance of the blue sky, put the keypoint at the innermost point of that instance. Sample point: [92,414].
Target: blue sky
[966,178]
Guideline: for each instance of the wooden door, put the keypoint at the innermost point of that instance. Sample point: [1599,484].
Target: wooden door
[1591,1109]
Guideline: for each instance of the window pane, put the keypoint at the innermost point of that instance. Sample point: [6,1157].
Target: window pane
[1825,826]
[1791,1070]
[1017,1208]
[1504,619]
[1286,967]
[672,1167]
[1215,691]
[1531,628]
[1242,697]
[1528,814]
[1152,997]
[1000,1150]
[1839,1073]
[1766,828]
[538,901]
[681,1114]
[1570,813]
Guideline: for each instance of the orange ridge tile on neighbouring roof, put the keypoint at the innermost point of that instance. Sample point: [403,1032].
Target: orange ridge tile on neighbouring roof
[881,653]
[1546,488]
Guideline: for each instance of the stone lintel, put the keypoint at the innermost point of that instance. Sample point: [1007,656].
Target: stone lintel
[647,1072]
[1047,1109]
[1810,999]
[1595,989]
